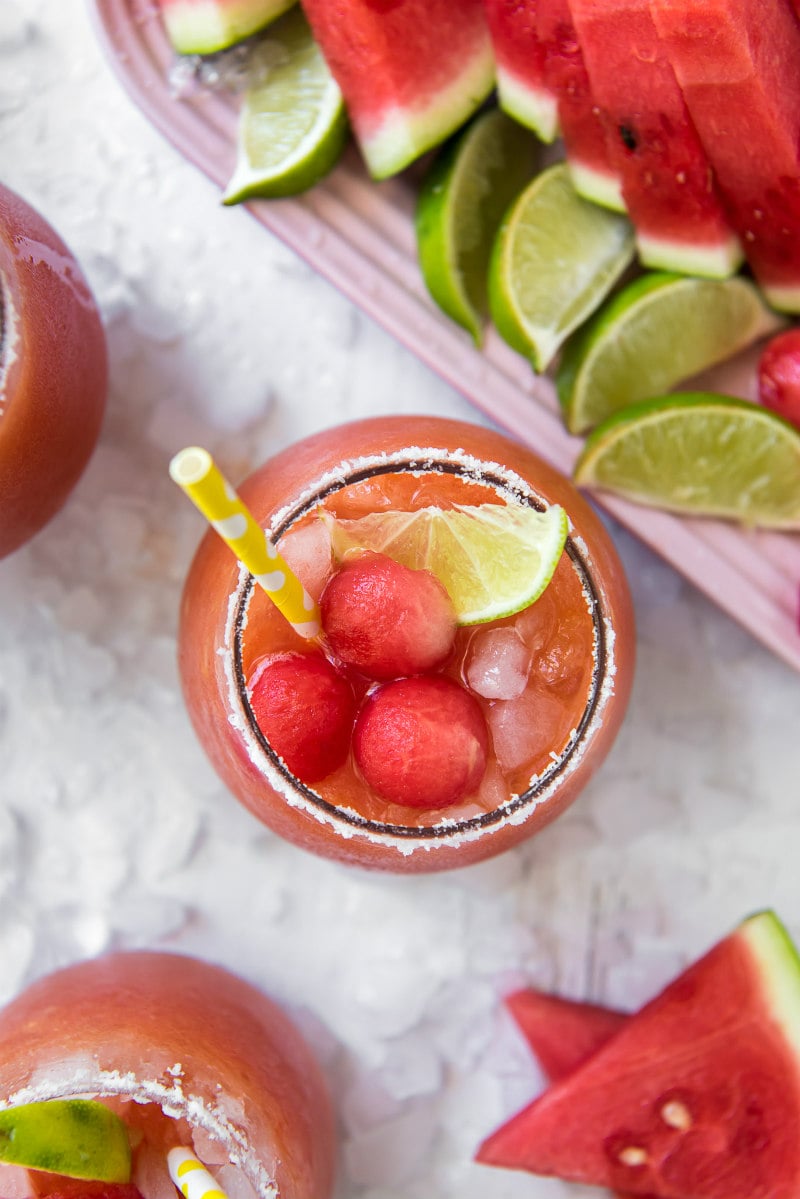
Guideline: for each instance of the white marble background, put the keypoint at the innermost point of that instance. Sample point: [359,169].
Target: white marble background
[114,832]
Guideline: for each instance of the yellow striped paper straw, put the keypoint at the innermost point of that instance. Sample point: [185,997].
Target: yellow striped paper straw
[195,471]
[191,1177]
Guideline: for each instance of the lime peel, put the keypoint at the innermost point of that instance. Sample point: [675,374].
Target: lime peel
[700,454]
[493,559]
[79,1138]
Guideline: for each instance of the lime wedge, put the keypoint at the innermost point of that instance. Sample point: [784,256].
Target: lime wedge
[693,452]
[292,127]
[656,332]
[461,204]
[492,559]
[554,261]
[78,1138]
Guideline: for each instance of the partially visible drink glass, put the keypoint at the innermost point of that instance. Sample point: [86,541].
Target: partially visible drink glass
[53,372]
[545,740]
[188,1055]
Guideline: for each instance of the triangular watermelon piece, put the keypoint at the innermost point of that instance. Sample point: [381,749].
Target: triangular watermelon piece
[738,64]
[667,182]
[520,64]
[697,1096]
[562,1033]
[411,71]
[565,75]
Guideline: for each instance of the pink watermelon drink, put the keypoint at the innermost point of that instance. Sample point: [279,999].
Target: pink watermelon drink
[411,71]
[520,65]
[206,26]
[594,174]
[738,64]
[697,1096]
[424,768]
[667,183]
[188,1055]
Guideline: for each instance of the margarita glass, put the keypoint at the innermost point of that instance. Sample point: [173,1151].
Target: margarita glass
[188,1054]
[579,637]
[53,372]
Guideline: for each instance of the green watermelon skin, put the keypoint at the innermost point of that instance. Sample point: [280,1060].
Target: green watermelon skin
[697,1095]
[565,74]
[520,63]
[411,71]
[667,182]
[738,65]
[206,26]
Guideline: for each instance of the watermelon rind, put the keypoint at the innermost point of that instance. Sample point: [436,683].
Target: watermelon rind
[207,26]
[536,108]
[779,969]
[403,134]
[784,299]
[601,187]
[718,261]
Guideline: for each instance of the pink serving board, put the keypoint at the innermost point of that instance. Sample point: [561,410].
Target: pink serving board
[360,236]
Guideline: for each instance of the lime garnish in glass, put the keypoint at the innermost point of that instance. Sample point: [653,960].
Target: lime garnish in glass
[656,332]
[493,559]
[78,1138]
[555,259]
[461,204]
[292,127]
[702,454]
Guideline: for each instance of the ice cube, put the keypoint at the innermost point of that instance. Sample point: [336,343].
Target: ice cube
[15,1182]
[308,552]
[392,1153]
[524,729]
[498,662]
[150,1174]
[536,623]
[233,1183]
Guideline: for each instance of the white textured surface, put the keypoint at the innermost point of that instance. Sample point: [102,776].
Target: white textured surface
[113,830]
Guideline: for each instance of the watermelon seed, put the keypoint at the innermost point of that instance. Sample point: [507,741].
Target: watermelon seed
[676,1115]
[633,1155]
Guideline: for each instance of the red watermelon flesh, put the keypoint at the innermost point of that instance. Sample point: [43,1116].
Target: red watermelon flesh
[697,1096]
[561,1032]
[566,76]
[411,71]
[667,183]
[520,63]
[205,26]
[738,64]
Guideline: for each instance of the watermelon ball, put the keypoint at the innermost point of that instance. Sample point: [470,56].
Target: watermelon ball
[305,709]
[421,742]
[779,376]
[385,619]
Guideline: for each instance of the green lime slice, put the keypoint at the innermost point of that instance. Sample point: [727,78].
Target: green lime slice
[554,261]
[292,127]
[693,452]
[78,1138]
[492,559]
[654,333]
[461,204]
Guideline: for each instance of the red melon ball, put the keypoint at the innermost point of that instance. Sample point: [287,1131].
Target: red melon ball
[305,709]
[421,742]
[387,620]
[779,376]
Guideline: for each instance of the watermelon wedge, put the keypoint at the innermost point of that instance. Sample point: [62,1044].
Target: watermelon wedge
[520,63]
[562,1033]
[411,71]
[738,64]
[667,183]
[205,26]
[565,75]
[697,1096]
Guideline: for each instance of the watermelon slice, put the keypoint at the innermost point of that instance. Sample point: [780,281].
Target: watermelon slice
[411,71]
[520,61]
[205,26]
[738,64]
[565,74]
[697,1096]
[562,1032]
[667,183]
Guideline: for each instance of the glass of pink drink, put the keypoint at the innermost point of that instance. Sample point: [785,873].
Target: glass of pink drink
[187,1054]
[544,743]
[53,372]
